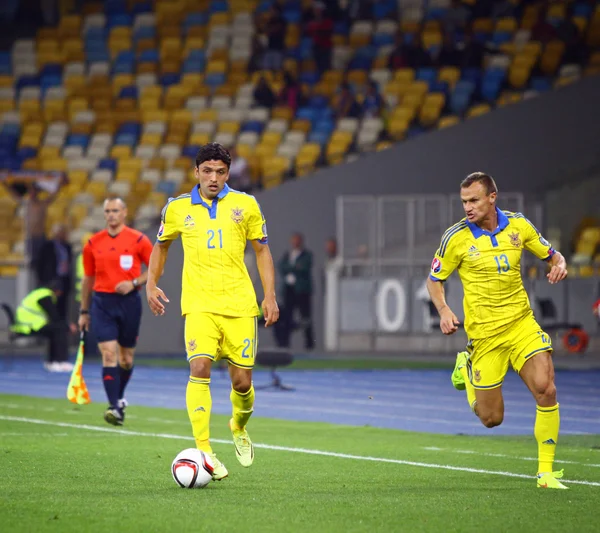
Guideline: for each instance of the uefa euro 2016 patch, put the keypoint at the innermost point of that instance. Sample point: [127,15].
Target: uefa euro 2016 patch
[436,265]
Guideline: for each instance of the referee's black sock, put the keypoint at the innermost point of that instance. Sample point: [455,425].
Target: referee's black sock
[111,381]
[124,375]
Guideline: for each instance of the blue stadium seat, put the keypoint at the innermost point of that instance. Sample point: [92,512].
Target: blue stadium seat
[253,125]
[122,19]
[190,150]
[168,187]
[319,137]
[129,91]
[141,7]
[149,56]
[215,79]
[108,164]
[428,74]
[324,126]
[169,79]
[195,19]
[319,102]
[77,139]
[144,32]
[540,84]
[218,6]
[115,7]
[26,152]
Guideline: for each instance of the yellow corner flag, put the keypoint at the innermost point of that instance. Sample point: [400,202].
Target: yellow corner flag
[77,390]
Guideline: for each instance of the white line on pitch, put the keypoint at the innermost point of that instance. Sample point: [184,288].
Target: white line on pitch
[502,455]
[286,449]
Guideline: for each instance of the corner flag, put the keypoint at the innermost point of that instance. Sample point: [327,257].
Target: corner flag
[77,390]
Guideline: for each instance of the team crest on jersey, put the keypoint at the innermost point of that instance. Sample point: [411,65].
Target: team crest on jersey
[237,214]
[477,376]
[436,265]
[192,345]
[473,252]
[188,222]
[515,240]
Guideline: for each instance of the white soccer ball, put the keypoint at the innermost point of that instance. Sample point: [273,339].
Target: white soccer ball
[192,469]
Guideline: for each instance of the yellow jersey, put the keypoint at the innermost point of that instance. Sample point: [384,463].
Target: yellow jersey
[214,236]
[489,266]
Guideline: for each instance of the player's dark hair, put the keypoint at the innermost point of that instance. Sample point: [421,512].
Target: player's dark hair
[480,177]
[213,152]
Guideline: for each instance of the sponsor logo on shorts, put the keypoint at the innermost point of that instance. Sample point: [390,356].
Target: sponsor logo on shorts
[192,345]
[515,240]
[436,265]
[477,376]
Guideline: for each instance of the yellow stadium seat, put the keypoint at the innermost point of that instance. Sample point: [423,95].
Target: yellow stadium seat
[556,10]
[478,110]
[397,127]
[506,25]
[120,152]
[216,66]
[69,26]
[209,115]
[49,152]
[271,138]
[77,177]
[403,112]
[301,125]
[181,117]
[431,38]
[450,75]
[532,49]
[446,122]
[192,80]
[483,25]
[155,115]
[282,112]
[200,138]
[406,75]
[519,76]
[508,98]
[97,189]
[552,56]
[152,139]
[229,127]
[335,152]
[55,164]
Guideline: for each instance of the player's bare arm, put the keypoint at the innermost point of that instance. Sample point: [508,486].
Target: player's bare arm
[86,293]
[448,320]
[156,267]
[558,270]
[266,269]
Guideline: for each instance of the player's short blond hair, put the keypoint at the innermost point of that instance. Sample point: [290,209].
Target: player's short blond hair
[480,177]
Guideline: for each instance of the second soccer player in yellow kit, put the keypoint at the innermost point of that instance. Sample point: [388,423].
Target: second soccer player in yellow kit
[217,298]
[485,248]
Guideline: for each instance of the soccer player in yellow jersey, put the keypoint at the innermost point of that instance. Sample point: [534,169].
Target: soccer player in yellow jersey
[485,248]
[217,298]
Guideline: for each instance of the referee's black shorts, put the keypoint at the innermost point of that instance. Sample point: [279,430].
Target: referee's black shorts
[116,317]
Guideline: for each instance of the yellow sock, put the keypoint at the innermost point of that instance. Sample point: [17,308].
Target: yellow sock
[199,404]
[547,422]
[242,407]
[469,387]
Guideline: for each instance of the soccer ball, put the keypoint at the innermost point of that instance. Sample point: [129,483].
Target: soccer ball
[192,469]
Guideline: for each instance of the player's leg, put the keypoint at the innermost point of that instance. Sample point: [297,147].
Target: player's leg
[129,328]
[533,362]
[239,347]
[482,369]
[106,329]
[202,339]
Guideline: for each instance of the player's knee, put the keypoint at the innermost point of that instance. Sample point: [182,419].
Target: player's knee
[491,420]
[545,393]
[200,367]
[109,356]
[241,384]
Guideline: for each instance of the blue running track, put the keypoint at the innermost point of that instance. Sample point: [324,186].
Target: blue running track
[412,400]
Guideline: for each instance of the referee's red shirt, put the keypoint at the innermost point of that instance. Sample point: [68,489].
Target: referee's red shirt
[115,259]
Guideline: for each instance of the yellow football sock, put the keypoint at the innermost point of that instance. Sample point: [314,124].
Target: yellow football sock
[199,404]
[242,407]
[468,387]
[547,422]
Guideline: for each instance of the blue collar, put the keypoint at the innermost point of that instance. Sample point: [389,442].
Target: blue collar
[197,199]
[478,232]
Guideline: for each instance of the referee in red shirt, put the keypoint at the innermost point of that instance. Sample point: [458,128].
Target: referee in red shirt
[112,263]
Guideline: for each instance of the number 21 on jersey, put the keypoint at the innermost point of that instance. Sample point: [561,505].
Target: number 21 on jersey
[212,235]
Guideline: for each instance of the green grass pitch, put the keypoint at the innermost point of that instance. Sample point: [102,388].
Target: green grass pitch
[63,469]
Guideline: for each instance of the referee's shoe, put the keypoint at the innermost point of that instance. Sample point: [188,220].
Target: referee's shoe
[114,416]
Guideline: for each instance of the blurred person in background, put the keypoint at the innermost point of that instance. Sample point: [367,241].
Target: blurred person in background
[38,316]
[345,105]
[263,94]
[239,172]
[291,93]
[372,105]
[320,29]
[55,264]
[295,271]
[274,29]
[90,348]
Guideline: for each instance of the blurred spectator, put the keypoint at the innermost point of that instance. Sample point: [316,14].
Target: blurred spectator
[373,103]
[295,269]
[291,92]
[397,58]
[239,172]
[456,17]
[473,52]
[575,49]
[275,29]
[542,30]
[416,55]
[320,29]
[256,55]
[346,105]
[263,95]
[503,8]
[332,258]
[449,55]
[55,266]
[36,208]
